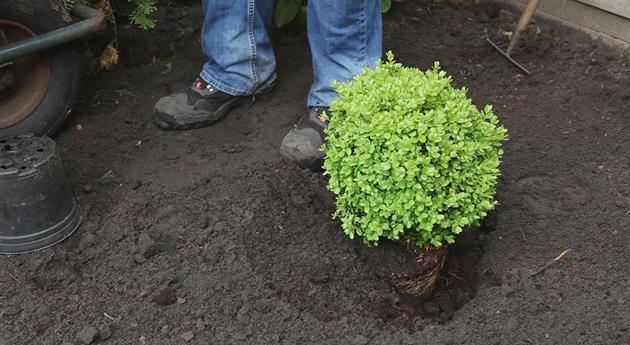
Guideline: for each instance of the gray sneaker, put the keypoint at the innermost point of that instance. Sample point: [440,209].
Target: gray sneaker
[199,106]
[302,144]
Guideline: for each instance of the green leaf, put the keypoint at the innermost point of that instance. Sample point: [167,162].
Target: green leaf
[301,19]
[142,13]
[286,11]
[409,156]
[385,5]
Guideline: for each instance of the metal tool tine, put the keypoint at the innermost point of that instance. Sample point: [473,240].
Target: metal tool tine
[507,56]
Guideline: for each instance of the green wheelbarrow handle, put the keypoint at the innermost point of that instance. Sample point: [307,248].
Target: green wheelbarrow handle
[92,21]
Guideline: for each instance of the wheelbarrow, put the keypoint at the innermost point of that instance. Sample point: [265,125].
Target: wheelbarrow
[41,63]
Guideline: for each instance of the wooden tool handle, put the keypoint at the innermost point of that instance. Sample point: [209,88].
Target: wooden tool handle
[527,15]
[522,23]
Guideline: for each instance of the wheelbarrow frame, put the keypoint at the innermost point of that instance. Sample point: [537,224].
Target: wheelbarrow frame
[92,21]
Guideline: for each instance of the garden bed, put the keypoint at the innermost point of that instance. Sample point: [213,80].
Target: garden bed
[209,237]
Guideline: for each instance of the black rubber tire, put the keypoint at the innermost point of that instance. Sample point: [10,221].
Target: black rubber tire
[66,63]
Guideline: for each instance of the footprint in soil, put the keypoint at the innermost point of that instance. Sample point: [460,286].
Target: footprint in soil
[550,195]
[55,277]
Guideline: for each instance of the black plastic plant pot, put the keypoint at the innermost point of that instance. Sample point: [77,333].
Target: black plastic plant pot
[37,209]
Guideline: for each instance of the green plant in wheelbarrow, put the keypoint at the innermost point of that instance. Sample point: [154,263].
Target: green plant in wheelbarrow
[411,159]
[139,11]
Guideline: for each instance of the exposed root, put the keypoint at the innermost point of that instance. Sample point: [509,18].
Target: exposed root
[420,284]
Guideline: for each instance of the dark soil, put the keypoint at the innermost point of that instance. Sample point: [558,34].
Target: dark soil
[209,237]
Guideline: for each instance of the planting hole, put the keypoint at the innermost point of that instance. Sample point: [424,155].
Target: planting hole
[455,287]
[328,275]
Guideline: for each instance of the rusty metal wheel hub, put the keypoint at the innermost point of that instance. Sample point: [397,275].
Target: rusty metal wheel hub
[23,82]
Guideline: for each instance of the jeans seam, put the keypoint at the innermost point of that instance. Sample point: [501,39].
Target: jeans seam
[252,41]
[364,31]
[220,85]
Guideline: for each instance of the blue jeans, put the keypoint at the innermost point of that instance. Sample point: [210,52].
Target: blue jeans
[345,36]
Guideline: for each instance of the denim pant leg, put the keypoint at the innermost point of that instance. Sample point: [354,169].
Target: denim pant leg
[234,38]
[345,36]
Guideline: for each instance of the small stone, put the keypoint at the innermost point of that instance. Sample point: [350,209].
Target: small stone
[172,157]
[508,291]
[622,202]
[116,234]
[181,300]
[445,304]
[139,259]
[506,16]
[166,296]
[488,8]
[130,262]
[87,335]
[233,148]
[205,222]
[187,336]
[143,340]
[146,246]
[136,184]
[408,341]
[431,308]
[242,313]
[299,200]
[87,241]
[87,189]
[104,332]
[359,340]
[164,330]
[483,17]
[200,325]
[445,317]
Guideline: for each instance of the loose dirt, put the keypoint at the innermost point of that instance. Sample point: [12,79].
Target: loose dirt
[209,237]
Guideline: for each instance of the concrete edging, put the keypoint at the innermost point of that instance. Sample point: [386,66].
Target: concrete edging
[610,28]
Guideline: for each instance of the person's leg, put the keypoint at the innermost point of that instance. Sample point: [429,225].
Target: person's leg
[240,63]
[345,36]
[234,38]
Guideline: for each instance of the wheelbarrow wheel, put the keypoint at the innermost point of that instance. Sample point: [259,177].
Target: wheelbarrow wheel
[37,91]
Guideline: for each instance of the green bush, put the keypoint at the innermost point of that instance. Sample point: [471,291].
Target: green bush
[410,157]
[140,11]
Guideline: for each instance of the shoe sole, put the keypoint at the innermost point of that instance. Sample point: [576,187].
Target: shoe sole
[220,113]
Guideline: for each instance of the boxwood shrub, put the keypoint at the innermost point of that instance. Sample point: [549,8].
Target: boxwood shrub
[409,156]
